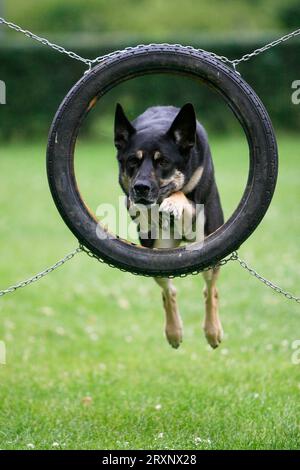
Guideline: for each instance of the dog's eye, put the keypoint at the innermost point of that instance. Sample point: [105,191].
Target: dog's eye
[133,162]
[163,163]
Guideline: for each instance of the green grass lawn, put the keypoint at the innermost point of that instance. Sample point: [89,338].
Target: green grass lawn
[91,331]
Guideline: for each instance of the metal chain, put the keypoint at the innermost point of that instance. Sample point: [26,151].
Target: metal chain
[222,58]
[233,257]
[44,41]
[98,59]
[82,248]
[265,281]
[268,46]
[40,275]
[90,62]
[222,262]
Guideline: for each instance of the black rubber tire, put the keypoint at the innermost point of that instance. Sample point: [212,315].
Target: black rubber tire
[244,103]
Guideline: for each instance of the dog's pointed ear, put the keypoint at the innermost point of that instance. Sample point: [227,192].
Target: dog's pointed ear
[123,128]
[183,128]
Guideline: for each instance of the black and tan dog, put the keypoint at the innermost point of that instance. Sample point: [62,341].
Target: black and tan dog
[164,158]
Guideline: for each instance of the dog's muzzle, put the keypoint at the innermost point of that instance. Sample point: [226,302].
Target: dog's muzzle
[142,193]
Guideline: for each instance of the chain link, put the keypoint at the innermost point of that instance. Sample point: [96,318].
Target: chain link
[100,59]
[265,281]
[97,60]
[40,275]
[45,42]
[268,46]
[232,257]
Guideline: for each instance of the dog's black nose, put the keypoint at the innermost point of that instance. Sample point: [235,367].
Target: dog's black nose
[141,189]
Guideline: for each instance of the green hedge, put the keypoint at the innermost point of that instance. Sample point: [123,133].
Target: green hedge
[38,78]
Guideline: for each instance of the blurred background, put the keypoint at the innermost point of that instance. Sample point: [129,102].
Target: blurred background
[87,363]
[37,77]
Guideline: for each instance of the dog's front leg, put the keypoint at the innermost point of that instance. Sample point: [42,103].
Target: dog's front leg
[212,324]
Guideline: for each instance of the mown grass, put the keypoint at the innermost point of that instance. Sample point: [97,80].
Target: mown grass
[91,331]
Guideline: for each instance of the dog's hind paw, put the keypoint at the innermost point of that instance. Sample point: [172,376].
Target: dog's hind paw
[214,334]
[174,337]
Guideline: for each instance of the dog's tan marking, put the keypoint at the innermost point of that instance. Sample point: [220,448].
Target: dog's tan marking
[193,181]
[92,103]
[177,179]
[157,155]
[212,324]
[125,181]
[139,154]
[173,325]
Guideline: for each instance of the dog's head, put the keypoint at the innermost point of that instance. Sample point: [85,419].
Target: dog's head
[152,158]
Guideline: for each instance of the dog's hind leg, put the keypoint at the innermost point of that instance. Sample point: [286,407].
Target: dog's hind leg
[173,326]
[212,324]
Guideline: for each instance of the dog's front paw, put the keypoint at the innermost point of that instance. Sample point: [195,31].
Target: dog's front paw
[173,206]
[214,333]
[174,336]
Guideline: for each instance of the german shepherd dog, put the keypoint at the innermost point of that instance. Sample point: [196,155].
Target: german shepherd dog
[164,158]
